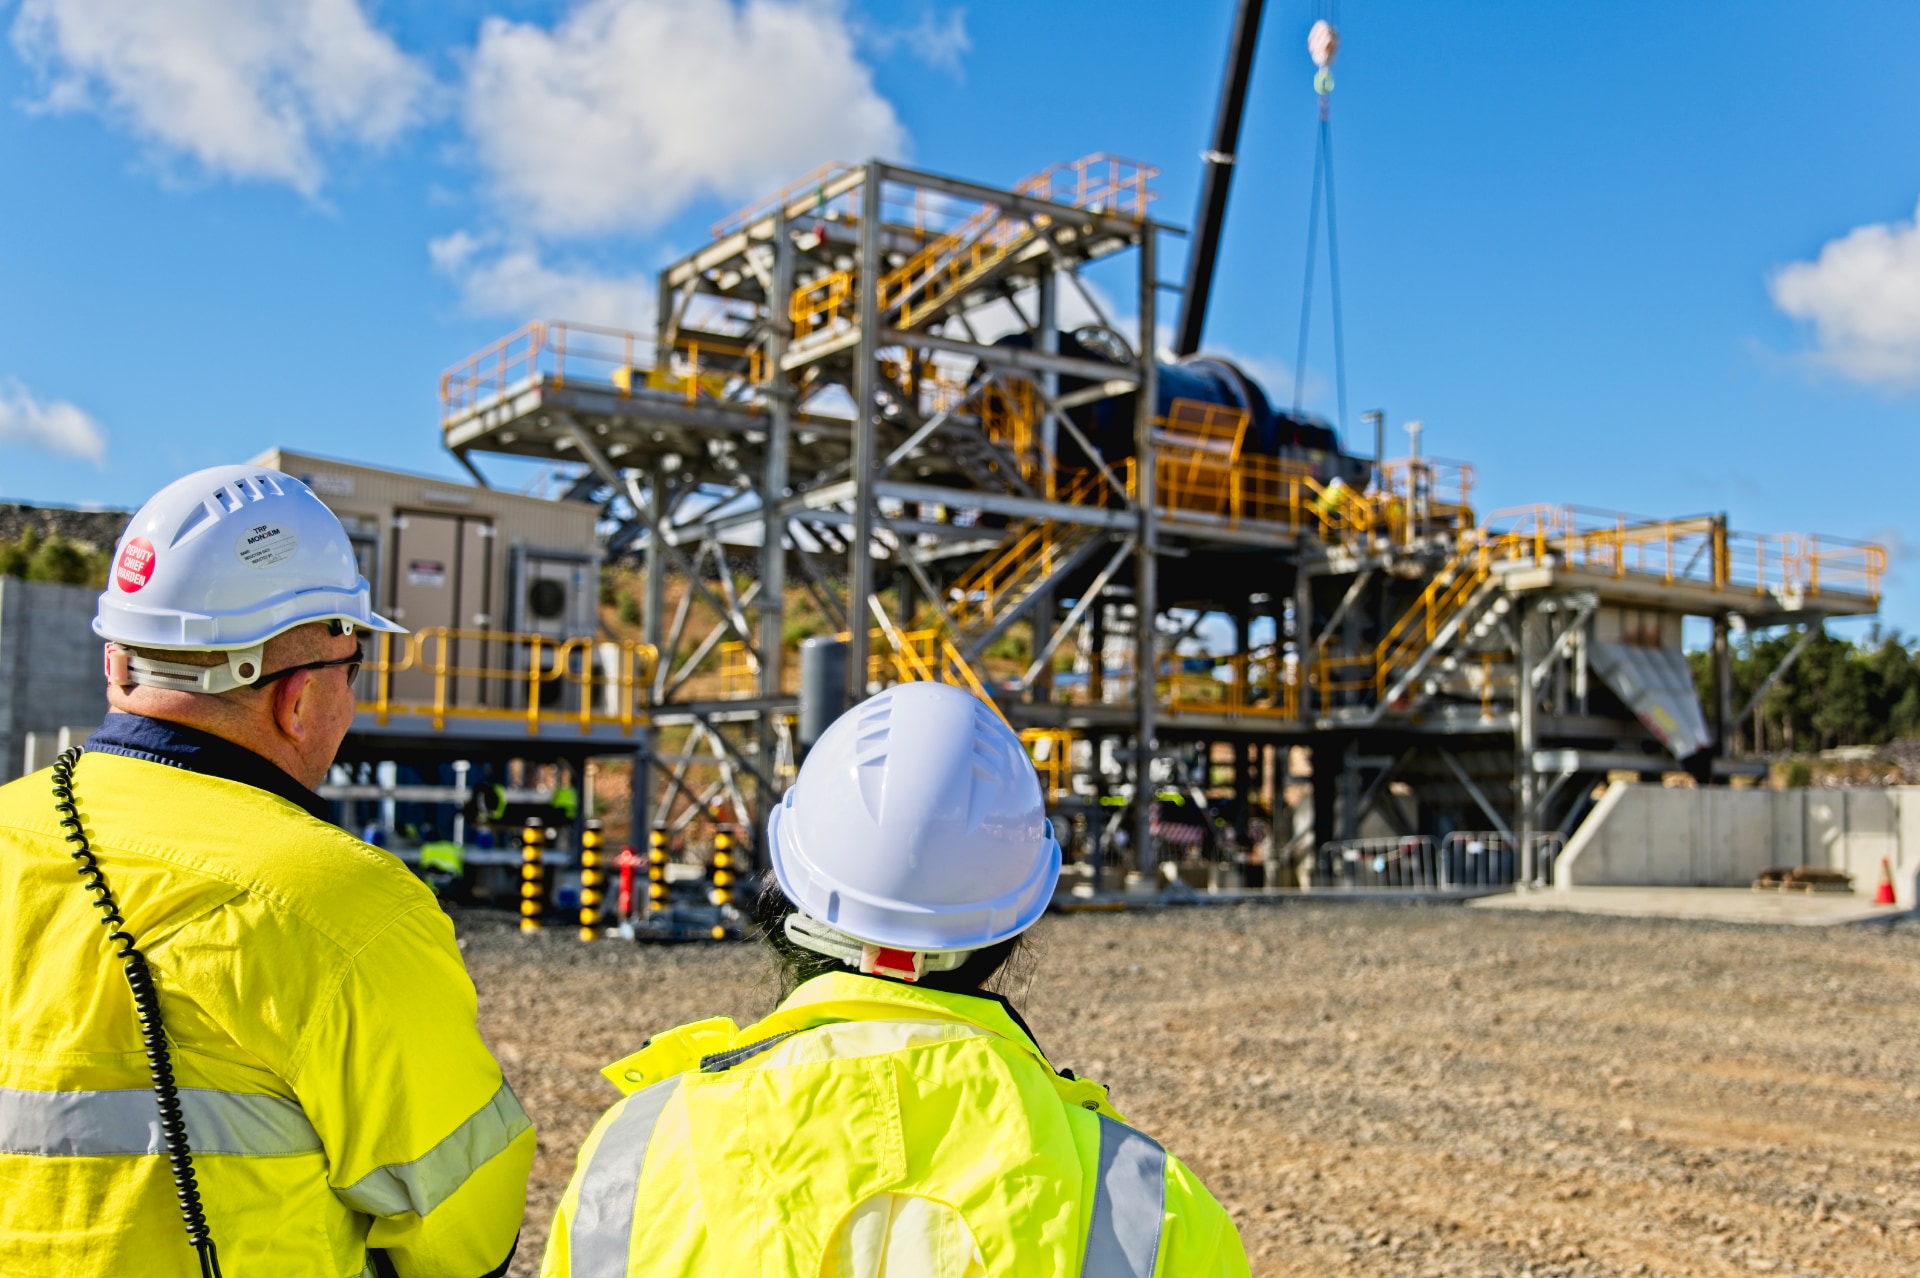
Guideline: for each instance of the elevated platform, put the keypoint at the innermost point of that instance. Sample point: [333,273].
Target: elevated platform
[866,383]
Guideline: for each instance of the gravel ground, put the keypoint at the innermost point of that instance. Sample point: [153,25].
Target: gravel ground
[1398,1090]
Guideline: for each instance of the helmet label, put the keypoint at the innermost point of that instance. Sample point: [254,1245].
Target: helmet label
[134,568]
[264,545]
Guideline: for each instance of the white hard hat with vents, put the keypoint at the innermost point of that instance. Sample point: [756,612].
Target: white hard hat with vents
[916,828]
[222,561]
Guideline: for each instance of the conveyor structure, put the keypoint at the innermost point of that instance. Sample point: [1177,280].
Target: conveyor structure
[862,392]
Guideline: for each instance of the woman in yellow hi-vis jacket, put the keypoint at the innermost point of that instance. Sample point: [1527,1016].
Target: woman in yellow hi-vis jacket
[889,1119]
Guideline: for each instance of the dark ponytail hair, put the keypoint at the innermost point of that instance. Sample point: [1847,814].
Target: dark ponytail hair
[798,965]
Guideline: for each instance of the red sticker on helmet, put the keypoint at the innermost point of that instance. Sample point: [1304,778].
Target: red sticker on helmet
[135,568]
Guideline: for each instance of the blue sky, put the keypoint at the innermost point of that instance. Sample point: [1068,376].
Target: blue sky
[1639,257]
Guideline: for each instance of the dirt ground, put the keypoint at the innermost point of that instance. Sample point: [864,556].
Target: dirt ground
[1398,1090]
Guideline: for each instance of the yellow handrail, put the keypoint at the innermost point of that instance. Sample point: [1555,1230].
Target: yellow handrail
[814,183]
[627,361]
[446,673]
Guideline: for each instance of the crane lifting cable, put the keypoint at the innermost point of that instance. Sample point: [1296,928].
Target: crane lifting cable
[1323,44]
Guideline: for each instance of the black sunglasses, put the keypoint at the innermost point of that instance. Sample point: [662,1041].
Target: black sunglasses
[352,664]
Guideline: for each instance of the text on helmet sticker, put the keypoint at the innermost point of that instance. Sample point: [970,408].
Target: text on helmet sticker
[264,545]
[134,568]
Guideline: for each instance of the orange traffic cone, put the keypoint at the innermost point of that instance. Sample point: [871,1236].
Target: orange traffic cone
[1883,895]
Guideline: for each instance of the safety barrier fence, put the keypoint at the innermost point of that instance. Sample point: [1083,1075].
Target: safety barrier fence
[558,351]
[455,674]
[1461,861]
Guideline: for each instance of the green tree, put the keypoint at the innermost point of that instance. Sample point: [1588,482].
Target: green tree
[58,559]
[1837,692]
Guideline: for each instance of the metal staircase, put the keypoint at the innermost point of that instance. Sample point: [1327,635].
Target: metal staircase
[921,288]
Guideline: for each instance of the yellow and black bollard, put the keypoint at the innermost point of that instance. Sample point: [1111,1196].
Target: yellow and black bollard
[533,843]
[592,881]
[657,870]
[723,874]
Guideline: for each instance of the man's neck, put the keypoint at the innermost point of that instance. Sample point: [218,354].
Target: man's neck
[195,749]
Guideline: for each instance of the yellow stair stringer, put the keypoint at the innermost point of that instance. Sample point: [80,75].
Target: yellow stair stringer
[1431,620]
[929,656]
[1008,572]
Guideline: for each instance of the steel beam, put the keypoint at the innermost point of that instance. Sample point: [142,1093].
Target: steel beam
[1478,795]
[1027,361]
[1088,598]
[1146,599]
[866,403]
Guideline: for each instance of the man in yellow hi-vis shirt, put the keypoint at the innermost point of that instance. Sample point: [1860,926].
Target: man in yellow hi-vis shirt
[273,1035]
[889,1119]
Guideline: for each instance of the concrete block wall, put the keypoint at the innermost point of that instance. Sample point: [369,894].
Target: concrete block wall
[1650,836]
[50,664]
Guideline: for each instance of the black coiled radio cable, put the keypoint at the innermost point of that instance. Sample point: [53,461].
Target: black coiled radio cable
[146,1002]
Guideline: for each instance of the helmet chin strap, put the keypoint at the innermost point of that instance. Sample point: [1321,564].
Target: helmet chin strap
[875,960]
[242,667]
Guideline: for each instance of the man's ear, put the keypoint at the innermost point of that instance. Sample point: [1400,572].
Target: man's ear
[292,708]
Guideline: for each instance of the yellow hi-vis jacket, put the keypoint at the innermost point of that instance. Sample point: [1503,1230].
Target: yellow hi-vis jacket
[336,1091]
[869,1129]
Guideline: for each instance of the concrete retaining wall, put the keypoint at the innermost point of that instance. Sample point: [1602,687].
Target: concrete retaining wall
[50,664]
[1650,836]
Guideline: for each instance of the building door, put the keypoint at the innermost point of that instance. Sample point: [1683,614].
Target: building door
[441,590]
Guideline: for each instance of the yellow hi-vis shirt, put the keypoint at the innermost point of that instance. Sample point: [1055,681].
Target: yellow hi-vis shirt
[869,1129]
[336,1091]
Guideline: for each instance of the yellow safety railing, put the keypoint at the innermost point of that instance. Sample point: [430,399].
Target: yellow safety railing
[1260,684]
[739,671]
[920,656]
[820,303]
[802,196]
[1699,550]
[1435,491]
[455,674]
[1008,415]
[555,351]
[1051,750]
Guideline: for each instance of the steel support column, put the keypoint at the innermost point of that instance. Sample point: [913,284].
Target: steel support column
[1527,699]
[1146,601]
[866,396]
[652,630]
[773,525]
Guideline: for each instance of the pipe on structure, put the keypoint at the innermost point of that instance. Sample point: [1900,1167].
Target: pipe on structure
[1217,177]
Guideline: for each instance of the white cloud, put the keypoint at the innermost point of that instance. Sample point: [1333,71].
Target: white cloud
[246,88]
[618,116]
[56,427]
[514,281]
[939,41]
[1862,296]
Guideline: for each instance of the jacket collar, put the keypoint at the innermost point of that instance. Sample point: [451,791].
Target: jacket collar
[850,996]
[177,746]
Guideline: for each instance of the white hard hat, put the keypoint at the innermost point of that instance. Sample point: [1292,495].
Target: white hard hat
[223,560]
[917,825]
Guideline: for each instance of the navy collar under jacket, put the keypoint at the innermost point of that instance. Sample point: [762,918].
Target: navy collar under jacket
[191,750]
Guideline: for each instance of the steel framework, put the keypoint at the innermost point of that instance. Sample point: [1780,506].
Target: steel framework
[859,393]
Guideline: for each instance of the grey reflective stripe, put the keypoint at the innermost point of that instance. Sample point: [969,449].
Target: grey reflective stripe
[602,1230]
[429,1180]
[122,1122]
[721,1062]
[1129,1203]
